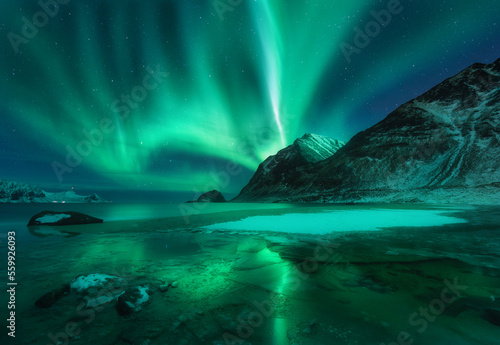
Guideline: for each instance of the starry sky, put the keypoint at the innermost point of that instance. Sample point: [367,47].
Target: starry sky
[179,97]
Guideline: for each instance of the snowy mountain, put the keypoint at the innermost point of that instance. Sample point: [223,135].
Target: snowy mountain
[443,146]
[14,192]
[277,172]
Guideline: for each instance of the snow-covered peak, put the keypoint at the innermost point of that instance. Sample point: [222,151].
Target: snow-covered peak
[311,148]
[443,145]
[315,148]
[287,165]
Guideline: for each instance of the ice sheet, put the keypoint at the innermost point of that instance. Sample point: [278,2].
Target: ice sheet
[340,221]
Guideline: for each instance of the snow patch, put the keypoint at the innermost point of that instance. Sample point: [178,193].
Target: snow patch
[92,280]
[53,218]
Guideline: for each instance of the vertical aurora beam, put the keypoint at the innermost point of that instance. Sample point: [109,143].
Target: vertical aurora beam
[269,31]
[299,43]
[270,67]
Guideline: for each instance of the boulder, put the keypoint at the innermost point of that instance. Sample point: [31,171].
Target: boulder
[132,300]
[48,300]
[212,196]
[62,218]
[493,316]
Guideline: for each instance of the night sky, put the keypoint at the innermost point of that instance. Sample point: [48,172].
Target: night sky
[160,96]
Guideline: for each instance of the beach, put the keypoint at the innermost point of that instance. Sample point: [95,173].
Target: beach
[217,278]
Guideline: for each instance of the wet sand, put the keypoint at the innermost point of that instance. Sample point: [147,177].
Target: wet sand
[429,285]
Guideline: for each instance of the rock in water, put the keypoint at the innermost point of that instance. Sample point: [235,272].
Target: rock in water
[62,218]
[212,196]
[493,316]
[48,300]
[132,300]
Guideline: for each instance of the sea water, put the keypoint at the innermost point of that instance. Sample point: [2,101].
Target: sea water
[263,274]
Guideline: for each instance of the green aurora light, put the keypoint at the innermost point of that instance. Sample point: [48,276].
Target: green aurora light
[237,89]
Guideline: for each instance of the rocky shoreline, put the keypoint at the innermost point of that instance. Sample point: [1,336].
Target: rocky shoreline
[155,282]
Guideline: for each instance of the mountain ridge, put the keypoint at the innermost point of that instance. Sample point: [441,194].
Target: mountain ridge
[288,164]
[15,192]
[442,145]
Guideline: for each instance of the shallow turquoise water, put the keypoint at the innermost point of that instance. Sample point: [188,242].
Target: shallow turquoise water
[340,220]
[363,293]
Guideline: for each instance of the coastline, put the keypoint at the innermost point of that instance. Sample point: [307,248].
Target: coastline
[346,285]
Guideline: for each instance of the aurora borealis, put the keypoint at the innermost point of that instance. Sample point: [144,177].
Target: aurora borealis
[178,90]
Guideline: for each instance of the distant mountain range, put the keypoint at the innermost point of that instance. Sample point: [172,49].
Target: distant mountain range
[14,192]
[442,147]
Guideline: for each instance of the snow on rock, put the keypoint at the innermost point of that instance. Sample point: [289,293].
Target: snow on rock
[62,218]
[142,298]
[94,280]
[52,218]
[99,289]
[133,300]
[96,289]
